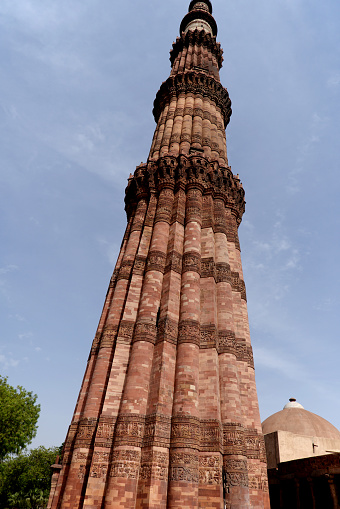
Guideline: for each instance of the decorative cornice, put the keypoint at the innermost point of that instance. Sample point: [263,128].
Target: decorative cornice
[200,38]
[189,171]
[194,82]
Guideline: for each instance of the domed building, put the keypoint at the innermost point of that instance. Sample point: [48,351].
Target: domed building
[303,456]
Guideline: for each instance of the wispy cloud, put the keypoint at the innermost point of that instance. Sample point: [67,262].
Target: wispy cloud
[17,317]
[25,335]
[8,361]
[8,269]
[280,362]
[304,151]
[334,80]
[111,249]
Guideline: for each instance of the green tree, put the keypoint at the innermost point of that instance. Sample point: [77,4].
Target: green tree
[25,480]
[19,415]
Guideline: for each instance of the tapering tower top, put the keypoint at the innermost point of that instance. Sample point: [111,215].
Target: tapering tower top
[199,4]
[199,17]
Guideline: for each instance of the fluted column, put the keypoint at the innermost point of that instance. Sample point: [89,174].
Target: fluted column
[131,420]
[184,457]
[187,124]
[234,461]
[153,478]
[210,460]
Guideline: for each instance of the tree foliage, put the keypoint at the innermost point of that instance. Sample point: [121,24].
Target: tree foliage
[19,415]
[25,480]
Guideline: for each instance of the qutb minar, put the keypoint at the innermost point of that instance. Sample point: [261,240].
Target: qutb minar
[167,415]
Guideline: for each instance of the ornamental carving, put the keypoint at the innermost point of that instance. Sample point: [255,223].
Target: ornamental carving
[157,431]
[185,432]
[244,353]
[226,342]
[236,472]
[125,332]
[179,112]
[233,439]
[156,261]
[191,262]
[163,213]
[254,445]
[238,284]
[192,214]
[165,177]
[154,465]
[145,331]
[223,272]
[99,464]
[108,337]
[80,457]
[184,467]
[99,470]
[208,336]
[105,431]
[198,112]
[257,475]
[139,265]
[85,433]
[189,332]
[208,267]
[193,170]
[130,430]
[174,262]
[167,330]
[125,464]
[211,435]
[188,111]
[210,470]
[125,270]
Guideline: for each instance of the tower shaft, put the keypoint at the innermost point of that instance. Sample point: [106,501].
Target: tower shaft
[167,416]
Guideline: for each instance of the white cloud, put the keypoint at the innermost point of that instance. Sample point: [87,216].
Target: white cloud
[8,362]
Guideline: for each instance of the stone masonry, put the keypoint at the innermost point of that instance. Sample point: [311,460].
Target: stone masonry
[167,416]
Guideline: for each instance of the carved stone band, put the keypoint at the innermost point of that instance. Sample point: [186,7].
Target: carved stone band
[189,332]
[191,262]
[156,261]
[174,262]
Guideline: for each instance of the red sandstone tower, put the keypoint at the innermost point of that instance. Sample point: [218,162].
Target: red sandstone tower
[167,415]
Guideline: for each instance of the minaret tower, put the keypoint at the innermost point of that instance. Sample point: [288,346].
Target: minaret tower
[167,416]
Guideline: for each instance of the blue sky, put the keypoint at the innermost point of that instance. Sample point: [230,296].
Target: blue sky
[76,93]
